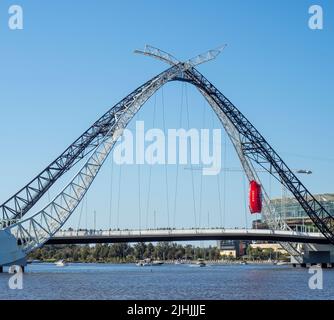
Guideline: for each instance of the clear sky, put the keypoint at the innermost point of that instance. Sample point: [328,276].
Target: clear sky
[74,60]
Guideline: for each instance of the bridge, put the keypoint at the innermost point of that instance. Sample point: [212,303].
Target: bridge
[129,236]
[22,232]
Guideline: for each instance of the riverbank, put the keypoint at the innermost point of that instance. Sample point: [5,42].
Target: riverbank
[125,253]
[172,262]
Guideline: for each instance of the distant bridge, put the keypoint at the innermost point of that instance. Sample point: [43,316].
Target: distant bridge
[91,236]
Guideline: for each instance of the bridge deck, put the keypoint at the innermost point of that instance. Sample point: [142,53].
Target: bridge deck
[89,237]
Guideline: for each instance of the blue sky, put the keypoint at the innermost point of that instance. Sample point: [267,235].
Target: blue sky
[74,60]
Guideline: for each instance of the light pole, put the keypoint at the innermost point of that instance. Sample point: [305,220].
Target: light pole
[155,219]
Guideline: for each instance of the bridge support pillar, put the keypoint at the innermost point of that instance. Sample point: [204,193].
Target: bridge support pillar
[316,254]
[10,252]
[1,269]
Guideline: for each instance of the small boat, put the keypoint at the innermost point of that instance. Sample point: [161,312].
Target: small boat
[157,263]
[142,264]
[34,261]
[61,263]
[145,263]
[201,263]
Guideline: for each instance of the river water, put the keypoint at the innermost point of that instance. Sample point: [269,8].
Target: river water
[172,282]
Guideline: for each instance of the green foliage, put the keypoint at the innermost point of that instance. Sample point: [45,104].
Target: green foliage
[264,254]
[124,253]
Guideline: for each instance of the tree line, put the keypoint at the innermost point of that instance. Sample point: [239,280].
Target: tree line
[124,253]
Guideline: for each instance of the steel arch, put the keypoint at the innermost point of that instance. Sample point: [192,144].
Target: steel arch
[33,232]
[256,148]
[21,202]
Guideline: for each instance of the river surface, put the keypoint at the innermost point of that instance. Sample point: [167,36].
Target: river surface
[171,282]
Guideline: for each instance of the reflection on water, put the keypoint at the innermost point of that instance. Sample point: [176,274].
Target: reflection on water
[122,282]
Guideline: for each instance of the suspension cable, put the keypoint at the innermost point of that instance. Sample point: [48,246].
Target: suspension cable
[245,200]
[201,182]
[139,187]
[86,211]
[224,182]
[119,194]
[178,162]
[139,195]
[270,194]
[111,190]
[166,169]
[191,165]
[220,202]
[150,168]
[220,205]
[80,215]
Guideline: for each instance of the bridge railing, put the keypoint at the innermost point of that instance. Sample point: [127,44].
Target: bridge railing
[153,232]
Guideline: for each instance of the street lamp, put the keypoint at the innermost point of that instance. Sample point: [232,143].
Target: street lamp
[302,171]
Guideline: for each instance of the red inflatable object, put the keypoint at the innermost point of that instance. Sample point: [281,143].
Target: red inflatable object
[255,197]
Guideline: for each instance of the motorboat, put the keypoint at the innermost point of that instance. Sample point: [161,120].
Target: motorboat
[145,263]
[34,261]
[201,263]
[281,263]
[61,263]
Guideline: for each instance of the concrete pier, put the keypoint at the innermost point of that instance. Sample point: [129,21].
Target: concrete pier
[315,255]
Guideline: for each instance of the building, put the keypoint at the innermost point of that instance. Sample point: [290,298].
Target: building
[291,212]
[233,248]
[294,215]
[276,247]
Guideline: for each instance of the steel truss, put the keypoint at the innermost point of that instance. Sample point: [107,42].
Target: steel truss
[21,202]
[257,149]
[33,232]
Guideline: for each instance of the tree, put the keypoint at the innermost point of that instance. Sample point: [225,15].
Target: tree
[149,252]
[84,253]
[139,250]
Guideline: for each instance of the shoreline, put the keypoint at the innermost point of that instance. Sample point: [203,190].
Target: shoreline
[169,262]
